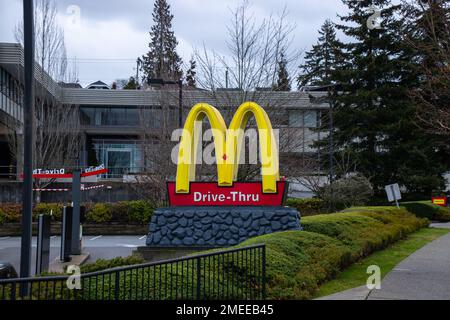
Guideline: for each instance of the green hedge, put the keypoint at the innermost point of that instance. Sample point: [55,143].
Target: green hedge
[299,261]
[102,264]
[138,212]
[426,209]
[307,207]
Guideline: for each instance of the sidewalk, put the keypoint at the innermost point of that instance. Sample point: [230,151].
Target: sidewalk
[424,275]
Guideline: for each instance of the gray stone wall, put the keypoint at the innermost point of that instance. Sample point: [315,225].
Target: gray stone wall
[217,226]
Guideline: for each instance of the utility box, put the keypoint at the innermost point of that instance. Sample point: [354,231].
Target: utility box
[66,234]
[43,244]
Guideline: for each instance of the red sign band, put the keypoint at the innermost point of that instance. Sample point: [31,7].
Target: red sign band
[240,194]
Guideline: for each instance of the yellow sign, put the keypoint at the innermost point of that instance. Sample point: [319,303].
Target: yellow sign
[228,144]
[439,201]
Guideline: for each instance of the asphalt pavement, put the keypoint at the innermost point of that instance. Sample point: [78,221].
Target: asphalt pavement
[99,247]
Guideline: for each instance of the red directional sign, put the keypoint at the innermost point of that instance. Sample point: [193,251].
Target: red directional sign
[61,173]
[240,194]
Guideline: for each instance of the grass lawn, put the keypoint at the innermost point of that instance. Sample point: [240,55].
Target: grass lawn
[386,259]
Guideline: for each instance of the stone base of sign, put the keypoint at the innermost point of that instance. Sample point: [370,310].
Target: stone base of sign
[217,226]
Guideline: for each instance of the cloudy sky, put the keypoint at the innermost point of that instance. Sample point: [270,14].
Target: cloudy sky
[107,36]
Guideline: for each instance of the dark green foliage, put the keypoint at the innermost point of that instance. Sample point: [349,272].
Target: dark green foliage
[308,207]
[162,61]
[299,261]
[373,113]
[322,60]
[426,209]
[347,192]
[131,84]
[137,212]
[426,26]
[191,73]
[99,213]
[283,81]
[103,264]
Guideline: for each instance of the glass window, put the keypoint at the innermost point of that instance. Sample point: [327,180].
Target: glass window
[295,118]
[311,119]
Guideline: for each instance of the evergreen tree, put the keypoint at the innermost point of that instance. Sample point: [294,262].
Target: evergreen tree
[191,73]
[283,81]
[131,84]
[322,59]
[373,115]
[427,30]
[162,61]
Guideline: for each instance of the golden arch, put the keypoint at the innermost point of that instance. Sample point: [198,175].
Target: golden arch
[228,144]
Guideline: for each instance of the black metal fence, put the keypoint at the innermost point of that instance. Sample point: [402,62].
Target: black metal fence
[226,274]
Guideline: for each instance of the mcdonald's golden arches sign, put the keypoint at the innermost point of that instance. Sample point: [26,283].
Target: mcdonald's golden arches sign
[228,142]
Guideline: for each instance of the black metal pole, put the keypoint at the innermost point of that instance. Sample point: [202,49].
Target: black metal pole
[331,151]
[76,199]
[28,112]
[180,103]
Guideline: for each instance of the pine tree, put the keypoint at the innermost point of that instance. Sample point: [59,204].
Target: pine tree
[191,73]
[162,61]
[322,59]
[283,81]
[131,84]
[427,30]
[373,115]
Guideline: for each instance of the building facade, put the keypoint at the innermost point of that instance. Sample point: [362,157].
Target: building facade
[114,125]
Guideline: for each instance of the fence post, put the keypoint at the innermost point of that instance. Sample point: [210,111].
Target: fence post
[198,279]
[264,272]
[117,286]
[13,290]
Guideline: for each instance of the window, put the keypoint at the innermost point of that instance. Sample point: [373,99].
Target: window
[310,118]
[295,118]
[109,116]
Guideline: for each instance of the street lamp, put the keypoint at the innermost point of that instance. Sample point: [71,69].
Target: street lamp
[180,95]
[28,108]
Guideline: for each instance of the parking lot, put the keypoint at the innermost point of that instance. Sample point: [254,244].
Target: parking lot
[99,247]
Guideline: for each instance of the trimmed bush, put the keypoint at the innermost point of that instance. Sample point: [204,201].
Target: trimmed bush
[426,209]
[103,264]
[299,261]
[12,212]
[99,213]
[307,207]
[2,217]
[347,192]
[133,212]
[47,208]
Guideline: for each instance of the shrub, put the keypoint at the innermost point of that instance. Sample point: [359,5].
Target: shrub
[103,264]
[347,192]
[47,208]
[140,211]
[426,209]
[99,213]
[12,212]
[299,261]
[307,207]
[2,217]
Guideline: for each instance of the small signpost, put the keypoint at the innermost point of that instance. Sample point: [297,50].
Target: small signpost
[393,193]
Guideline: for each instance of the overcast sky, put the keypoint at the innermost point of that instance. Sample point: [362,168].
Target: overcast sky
[110,34]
